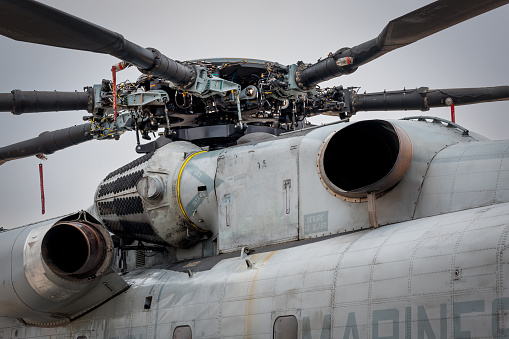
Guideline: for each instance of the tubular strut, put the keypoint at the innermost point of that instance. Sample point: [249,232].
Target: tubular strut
[114,78]
[42,189]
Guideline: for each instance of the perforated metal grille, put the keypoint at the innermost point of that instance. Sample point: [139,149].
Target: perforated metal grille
[121,184]
[121,206]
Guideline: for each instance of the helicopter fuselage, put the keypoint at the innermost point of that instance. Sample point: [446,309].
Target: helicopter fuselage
[424,257]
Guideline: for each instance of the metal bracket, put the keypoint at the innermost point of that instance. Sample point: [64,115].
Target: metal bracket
[99,94]
[208,85]
[153,145]
[107,127]
[245,251]
[294,91]
[142,98]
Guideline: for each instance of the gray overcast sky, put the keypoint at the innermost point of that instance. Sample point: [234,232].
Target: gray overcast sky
[471,54]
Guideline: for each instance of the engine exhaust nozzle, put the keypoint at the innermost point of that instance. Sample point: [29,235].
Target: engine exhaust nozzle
[73,249]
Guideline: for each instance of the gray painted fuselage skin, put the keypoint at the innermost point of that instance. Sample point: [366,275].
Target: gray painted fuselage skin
[434,268]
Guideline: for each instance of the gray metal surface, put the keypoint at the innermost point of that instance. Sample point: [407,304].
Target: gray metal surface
[197,184]
[258,195]
[124,209]
[39,296]
[465,175]
[416,274]
[443,276]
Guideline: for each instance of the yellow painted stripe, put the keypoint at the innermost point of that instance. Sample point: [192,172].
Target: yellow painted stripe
[178,187]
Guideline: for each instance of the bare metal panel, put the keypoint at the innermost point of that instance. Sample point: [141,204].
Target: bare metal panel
[8,302]
[464,176]
[197,184]
[258,195]
[453,257]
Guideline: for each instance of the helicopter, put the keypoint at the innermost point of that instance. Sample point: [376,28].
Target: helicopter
[305,324]
[449,70]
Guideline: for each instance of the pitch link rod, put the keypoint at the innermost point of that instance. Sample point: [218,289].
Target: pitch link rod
[47,143]
[31,21]
[19,102]
[423,98]
[399,32]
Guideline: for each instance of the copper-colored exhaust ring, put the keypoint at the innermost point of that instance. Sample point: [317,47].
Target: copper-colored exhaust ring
[73,249]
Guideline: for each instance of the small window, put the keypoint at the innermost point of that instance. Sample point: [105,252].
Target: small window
[182,332]
[286,327]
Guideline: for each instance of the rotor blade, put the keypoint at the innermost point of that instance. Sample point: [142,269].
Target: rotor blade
[31,21]
[423,98]
[19,102]
[47,142]
[399,32]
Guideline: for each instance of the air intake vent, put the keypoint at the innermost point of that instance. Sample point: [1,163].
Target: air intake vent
[367,156]
[140,258]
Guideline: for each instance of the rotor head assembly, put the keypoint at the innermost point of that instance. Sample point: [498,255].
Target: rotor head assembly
[214,102]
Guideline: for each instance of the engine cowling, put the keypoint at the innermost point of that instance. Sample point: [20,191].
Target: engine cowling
[59,269]
[146,199]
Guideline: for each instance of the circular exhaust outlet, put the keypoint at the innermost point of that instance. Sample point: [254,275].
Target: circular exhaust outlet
[73,249]
[365,157]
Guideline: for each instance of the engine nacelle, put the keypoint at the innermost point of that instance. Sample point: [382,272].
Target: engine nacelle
[179,194]
[55,271]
